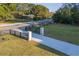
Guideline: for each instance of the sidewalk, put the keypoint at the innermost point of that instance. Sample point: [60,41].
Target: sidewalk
[64,47]
[3,25]
[13,26]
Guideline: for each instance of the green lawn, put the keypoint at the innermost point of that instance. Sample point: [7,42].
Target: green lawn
[63,32]
[15,46]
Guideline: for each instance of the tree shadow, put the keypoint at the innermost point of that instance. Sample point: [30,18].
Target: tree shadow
[51,50]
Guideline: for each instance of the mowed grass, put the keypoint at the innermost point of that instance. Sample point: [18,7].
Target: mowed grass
[63,32]
[15,46]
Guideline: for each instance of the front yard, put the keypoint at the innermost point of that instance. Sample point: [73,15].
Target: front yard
[16,46]
[63,32]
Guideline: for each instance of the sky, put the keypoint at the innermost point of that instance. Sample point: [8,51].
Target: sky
[52,6]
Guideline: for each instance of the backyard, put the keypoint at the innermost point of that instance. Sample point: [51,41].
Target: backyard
[63,32]
[12,45]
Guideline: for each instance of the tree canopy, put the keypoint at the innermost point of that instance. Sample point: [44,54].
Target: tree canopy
[67,14]
[5,12]
[40,12]
[9,11]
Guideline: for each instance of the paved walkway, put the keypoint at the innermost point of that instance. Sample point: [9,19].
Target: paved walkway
[12,26]
[15,24]
[64,47]
[67,48]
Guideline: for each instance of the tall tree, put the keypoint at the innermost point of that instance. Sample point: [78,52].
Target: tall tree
[68,13]
[5,13]
[40,12]
[25,7]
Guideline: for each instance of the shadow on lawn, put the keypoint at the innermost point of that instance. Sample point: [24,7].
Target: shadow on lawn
[51,50]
